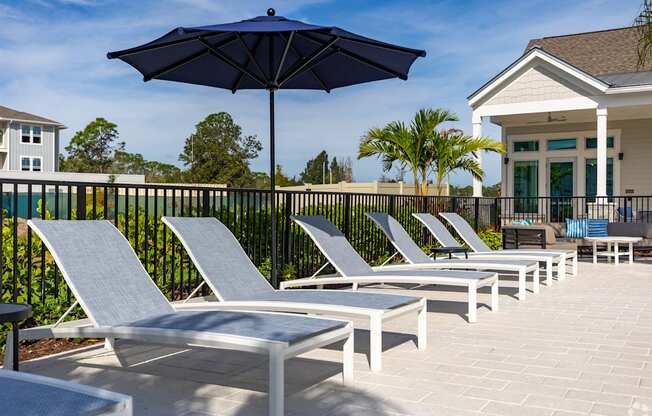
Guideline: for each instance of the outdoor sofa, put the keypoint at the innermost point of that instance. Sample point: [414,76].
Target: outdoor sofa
[238,284]
[122,302]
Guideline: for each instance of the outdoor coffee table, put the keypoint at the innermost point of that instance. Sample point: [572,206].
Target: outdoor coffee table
[613,250]
[14,313]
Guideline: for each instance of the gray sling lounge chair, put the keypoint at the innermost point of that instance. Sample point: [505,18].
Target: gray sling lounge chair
[418,260]
[121,301]
[238,284]
[355,271]
[29,394]
[481,250]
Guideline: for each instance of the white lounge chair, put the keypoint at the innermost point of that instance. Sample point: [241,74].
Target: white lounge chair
[355,271]
[29,394]
[122,302]
[481,250]
[238,284]
[418,260]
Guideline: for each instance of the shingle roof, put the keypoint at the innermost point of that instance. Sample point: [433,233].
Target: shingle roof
[11,114]
[612,51]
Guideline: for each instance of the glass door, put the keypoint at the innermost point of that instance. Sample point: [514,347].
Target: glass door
[561,187]
[526,190]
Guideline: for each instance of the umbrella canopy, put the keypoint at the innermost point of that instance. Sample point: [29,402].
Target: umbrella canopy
[269,52]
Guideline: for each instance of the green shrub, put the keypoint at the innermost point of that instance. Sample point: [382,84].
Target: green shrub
[493,238]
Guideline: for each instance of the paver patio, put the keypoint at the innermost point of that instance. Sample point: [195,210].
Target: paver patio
[582,346]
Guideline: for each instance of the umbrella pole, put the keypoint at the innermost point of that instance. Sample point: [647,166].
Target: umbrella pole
[272,177]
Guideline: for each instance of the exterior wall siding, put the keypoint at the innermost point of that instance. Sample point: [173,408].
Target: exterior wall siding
[45,150]
[635,143]
[536,84]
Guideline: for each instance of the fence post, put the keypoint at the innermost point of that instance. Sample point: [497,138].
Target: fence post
[476,214]
[496,216]
[205,203]
[81,202]
[347,216]
[287,222]
[625,211]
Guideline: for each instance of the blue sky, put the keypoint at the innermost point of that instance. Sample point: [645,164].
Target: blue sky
[53,63]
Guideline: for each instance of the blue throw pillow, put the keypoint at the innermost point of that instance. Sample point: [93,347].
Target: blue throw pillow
[598,228]
[577,228]
[520,222]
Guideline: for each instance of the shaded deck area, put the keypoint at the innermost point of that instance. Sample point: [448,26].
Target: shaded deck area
[580,347]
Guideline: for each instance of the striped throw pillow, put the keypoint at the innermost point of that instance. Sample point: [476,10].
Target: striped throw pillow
[576,228]
[598,228]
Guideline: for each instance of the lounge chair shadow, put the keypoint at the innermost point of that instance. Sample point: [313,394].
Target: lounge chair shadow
[174,381]
[452,307]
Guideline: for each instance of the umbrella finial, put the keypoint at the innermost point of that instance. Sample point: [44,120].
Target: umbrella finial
[271,12]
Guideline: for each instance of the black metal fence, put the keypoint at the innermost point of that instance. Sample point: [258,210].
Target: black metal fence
[30,275]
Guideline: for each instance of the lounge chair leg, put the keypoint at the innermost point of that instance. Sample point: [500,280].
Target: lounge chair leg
[354,287]
[561,268]
[109,344]
[347,361]
[521,284]
[276,382]
[549,272]
[422,326]
[494,296]
[575,265]
[9,353]
[376,342]
[535,281]
[473,302]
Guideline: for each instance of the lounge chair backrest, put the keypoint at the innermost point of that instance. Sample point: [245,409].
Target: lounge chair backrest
[466,232]
[102,270]
[219,257]
[334,245]
[437,229]
[399,238]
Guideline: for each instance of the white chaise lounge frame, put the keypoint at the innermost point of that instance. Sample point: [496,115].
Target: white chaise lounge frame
[376,317]
[479,264]
[548,258]
[277,351]
[447,278]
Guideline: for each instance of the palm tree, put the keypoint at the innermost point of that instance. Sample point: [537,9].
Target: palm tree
[453,150]
[423,149]
[644,25]
[409,146]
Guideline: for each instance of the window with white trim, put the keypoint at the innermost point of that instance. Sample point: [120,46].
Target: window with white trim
[31,164]
[31,134]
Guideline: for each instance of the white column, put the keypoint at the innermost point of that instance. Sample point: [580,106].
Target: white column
[601,188]
[477,132]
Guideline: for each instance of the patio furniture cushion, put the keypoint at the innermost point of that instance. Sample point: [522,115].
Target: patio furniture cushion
[268,326]
[20,397]
[101,268]
[576,228]
[220,258]
[597,227]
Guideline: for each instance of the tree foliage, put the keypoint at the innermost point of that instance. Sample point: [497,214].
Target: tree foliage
[319,170]
[643,23]
[218,152]
[93,149]
[424,149]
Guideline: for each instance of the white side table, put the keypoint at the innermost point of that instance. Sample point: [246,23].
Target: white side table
[613,249]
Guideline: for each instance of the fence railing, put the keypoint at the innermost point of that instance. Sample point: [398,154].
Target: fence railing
[30,275]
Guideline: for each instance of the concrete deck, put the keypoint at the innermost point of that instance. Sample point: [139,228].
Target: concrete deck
[582,346]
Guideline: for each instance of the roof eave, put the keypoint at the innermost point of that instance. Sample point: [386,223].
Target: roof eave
[45,123]
[531,54]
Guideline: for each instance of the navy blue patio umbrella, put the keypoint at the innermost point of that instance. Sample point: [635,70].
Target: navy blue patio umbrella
[271,53]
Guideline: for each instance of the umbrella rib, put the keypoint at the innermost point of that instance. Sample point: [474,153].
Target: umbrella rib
[175,65]
[236,85]
[148,48]
[312,71]
[251,57]
[230,62]
[288,44]
[359,58]
[308,60]
[393,48]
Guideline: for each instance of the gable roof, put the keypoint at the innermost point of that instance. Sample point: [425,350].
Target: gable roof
[7,113]
[612,51]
